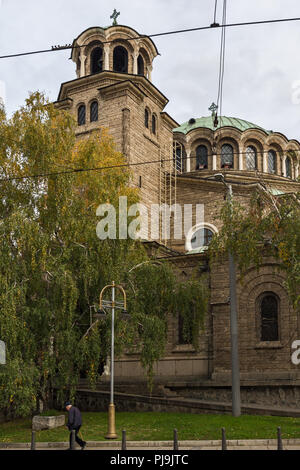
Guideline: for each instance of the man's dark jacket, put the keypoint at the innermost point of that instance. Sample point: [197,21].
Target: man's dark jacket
[74,420]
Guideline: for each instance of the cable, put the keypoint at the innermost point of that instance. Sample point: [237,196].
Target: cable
[124,165]
[188,30]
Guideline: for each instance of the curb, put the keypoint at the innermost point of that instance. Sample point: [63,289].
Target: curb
[116,445]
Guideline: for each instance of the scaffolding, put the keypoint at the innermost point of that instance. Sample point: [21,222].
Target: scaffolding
[171,164]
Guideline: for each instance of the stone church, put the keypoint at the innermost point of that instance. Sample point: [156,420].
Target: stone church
[114,89]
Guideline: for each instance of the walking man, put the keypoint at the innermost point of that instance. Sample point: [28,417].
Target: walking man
[74,423]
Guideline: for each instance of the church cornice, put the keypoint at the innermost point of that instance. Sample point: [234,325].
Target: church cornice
[96,79]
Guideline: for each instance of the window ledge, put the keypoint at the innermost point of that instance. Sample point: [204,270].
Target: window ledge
[183,348]
[151,138]
[269,345]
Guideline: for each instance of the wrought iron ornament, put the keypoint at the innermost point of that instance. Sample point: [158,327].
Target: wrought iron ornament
[114,16]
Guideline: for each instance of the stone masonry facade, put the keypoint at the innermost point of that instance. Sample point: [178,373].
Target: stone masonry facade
[174,164]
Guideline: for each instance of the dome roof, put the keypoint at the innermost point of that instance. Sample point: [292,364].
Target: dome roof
[224,121]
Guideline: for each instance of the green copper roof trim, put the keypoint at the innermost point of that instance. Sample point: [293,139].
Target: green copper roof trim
[224,121]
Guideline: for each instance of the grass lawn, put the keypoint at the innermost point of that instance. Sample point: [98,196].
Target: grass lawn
[159,426]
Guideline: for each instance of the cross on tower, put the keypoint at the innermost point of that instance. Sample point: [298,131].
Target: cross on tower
[114,16]
[213,108]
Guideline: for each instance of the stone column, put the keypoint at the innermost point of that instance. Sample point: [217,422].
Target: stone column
[265,161]
[82,64]
[241,161]
[135,64]
[106,56]
[214,162]
[188,161]
[283,166]
[296,170]
[149,72]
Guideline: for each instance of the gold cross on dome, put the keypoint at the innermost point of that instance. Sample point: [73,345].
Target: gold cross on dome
[114,16]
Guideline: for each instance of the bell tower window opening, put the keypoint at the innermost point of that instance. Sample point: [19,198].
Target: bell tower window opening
[227,156]
[120,59]
[288,167]
[201,157]
[146,118]
[271,161]
[141,65]
[81,118]
[269,318]
[251,158]
[94,111]
[97,60]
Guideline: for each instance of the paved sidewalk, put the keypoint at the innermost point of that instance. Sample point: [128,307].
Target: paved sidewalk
[243,444]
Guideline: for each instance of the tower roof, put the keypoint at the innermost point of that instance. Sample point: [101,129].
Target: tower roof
[207,122]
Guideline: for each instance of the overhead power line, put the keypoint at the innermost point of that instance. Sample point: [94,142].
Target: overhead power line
[166,33]
[119,166]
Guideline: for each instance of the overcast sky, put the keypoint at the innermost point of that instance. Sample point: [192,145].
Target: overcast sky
[262,68]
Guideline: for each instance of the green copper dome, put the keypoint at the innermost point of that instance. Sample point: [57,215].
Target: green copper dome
[224,121]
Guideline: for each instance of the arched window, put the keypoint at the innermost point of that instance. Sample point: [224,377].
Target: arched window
[269,317]
[94,111]
[97,60]
[141,66]
[153,124]
[81,115]
[202,237]
[251,158]
[271,161]
[288,167]
[147,118]
[120,59]
[227,156]
[201,157]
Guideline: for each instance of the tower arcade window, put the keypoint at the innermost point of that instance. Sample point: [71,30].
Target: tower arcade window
[141,66]
[120,59]
[269,317]
[201,157]
[94,111]
[81,115]
[97,60]
[288,167]
[227,156]
[271,161]
[251,158]
[147,118]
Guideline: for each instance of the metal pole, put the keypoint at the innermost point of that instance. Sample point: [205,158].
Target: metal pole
[175,440]
[224,443]
[112,345]
[123,439]
[33,446]
[279,439]
[73,440]
[235,368]
[111,410]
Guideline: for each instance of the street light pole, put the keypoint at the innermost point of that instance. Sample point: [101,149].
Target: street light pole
[111,434]
[235,367]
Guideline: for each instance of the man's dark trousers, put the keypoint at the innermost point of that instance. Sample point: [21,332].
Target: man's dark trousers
[77,438]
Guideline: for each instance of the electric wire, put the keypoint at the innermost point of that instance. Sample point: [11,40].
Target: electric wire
[128,165]
[166,33]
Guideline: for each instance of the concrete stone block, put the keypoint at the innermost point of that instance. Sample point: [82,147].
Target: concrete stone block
[47,422]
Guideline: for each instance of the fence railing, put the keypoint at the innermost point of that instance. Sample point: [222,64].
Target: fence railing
[175,440]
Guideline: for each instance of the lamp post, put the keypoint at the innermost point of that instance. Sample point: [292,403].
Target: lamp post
[111,434]
[235,368]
